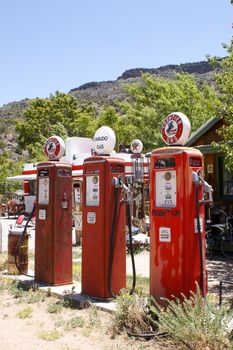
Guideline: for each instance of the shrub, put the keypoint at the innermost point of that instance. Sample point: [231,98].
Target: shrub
[50,335]
[55,308]
[74,323]
[132,315]
[194,321]
[25,313]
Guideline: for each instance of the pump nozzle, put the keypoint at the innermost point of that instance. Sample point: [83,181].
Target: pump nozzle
[196,178]
[207,189]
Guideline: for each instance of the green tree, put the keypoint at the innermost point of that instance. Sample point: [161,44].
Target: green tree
[59,115]
[8,168]
[155,98]
[225,85]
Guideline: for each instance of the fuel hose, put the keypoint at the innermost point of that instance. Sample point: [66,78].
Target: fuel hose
[131,247]
[21,240]
[200,242]
[112,246]
[111,243]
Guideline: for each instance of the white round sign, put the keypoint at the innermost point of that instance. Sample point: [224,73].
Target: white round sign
[104,140]
[176,129]
[136,146]
[54,148]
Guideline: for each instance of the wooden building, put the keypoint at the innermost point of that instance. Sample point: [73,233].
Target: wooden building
[215,171]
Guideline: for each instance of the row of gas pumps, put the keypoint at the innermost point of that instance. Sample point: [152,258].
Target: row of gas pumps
[177,217]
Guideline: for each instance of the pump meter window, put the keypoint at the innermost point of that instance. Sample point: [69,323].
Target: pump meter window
[43,191]
[92,190]
[165,189]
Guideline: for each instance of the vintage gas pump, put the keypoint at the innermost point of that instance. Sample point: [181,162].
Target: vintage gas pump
[104,220]
[177,251]
[53,239]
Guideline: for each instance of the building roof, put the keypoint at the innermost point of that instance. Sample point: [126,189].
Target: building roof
[202,130]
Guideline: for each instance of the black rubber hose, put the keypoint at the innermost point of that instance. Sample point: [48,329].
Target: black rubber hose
[111,243]
[21,240]
[131,247]
[200,243]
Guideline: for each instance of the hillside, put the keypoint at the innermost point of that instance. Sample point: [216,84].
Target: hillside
[99,93]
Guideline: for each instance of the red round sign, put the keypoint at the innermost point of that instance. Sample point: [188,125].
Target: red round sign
[175,129]
[54,148]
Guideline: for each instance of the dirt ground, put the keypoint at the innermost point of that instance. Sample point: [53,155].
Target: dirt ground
[32,320]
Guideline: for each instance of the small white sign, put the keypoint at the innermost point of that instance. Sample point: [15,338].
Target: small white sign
[91,217]
[42,214]
[164,234]
[210,168]
[195,225]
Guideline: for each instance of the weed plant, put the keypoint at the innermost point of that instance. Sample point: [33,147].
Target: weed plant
[132,315]
[77,271]
[94,318]
[50,335]
[55,308]
[3,262]
[196,322]
[142,285]
[74,322]
[25,313]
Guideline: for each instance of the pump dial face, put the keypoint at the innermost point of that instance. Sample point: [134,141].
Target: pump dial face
[168,176]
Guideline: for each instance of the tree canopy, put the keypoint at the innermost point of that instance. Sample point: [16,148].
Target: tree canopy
[8,168]
[225,85]
[59,115]
[155,98]
[140,116]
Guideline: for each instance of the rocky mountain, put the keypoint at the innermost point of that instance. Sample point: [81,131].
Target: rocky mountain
[99,93]
[106,92]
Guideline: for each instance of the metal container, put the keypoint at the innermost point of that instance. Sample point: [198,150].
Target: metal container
[21,253]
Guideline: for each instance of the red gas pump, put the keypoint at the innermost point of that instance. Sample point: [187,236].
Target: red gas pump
[104,221]
[53,239]
[177,251]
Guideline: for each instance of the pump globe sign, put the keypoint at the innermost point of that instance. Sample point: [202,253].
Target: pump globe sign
[136,146]
[54,148]
[176,129]
[104,140]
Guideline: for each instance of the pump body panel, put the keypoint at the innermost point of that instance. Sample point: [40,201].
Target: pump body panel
[98,210]
[174,243]
[53,240]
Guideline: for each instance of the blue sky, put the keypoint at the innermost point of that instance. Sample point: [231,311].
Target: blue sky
[49,45]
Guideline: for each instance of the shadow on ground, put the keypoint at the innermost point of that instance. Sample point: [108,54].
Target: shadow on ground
[220,268]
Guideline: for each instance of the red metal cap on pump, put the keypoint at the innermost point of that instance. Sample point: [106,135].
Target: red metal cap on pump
[176,129]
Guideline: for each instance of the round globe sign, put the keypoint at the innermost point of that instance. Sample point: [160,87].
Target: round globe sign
[176,129]
[136,146]
[54,148]
[104,140]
